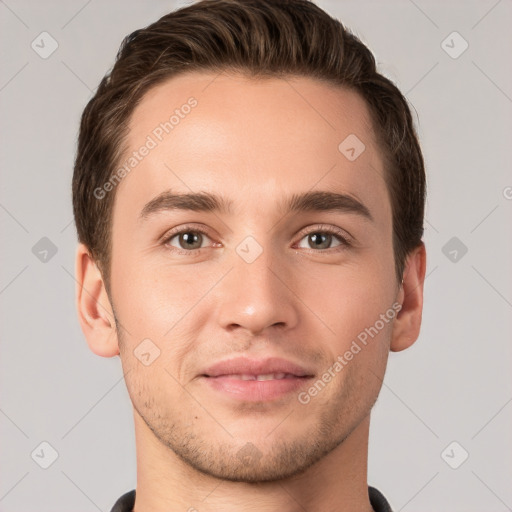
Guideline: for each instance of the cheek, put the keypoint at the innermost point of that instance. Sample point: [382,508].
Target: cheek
[150,298]
[345,300]
[149,386]
[167,305]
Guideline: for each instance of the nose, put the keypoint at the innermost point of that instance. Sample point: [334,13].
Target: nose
[257,295]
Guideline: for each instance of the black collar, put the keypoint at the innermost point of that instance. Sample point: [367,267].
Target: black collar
[377,500]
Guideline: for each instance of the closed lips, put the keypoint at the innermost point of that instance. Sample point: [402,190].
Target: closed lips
[266,376]
[243,368]
[251,380]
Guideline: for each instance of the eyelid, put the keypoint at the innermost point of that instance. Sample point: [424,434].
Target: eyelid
[184,229]
[346,238]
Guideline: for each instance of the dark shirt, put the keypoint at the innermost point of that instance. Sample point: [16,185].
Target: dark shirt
[377,500]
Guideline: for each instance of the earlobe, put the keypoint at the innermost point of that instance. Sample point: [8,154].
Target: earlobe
[406,328]
[95,312]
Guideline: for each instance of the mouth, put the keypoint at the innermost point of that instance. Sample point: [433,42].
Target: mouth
[261,377]
[256,381]
[256,388]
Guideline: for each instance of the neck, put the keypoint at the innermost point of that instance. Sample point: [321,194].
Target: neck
[338,482]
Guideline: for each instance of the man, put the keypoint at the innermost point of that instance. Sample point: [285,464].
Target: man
[249,196]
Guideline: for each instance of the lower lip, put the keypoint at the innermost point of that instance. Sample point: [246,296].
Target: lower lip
[256,390]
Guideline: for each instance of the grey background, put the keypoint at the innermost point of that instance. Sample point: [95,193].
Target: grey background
[452,385]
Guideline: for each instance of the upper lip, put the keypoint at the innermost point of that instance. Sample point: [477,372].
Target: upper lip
[246,366]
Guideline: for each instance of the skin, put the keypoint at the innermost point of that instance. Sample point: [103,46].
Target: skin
[255,143]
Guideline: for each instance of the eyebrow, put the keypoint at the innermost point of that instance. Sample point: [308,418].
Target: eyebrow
[302,202]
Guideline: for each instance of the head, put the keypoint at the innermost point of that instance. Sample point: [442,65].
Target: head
[269,106]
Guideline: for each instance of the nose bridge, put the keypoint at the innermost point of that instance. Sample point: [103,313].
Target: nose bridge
[253,295]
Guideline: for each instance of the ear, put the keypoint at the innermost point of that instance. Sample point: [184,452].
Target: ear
[95,312]
[406,328]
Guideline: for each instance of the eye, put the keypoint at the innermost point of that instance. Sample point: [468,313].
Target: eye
[186,239]
[323,237]
[190,239]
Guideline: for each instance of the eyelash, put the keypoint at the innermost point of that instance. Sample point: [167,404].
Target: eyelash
[320,229]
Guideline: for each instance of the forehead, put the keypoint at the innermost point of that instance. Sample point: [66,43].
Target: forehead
[230,133]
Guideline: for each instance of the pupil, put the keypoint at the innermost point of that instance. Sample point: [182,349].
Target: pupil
[317,239]
[191,238]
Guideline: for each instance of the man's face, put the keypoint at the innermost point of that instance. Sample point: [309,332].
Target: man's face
[257,281]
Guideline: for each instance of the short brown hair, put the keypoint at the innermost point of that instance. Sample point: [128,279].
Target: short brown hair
[261,38]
